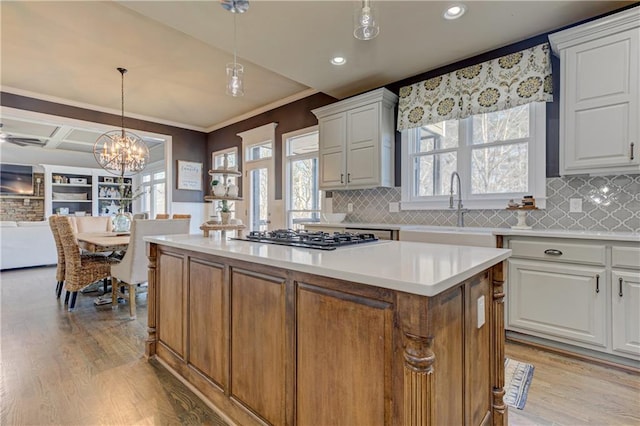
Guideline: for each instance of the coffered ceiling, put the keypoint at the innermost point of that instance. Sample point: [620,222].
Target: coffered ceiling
[176,51]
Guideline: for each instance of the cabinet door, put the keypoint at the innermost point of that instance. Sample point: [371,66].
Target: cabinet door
[363,158]
[559,300]
[332,134]
[601,100]
[626,311]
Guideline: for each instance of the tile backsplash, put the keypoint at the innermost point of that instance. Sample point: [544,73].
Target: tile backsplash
[609,203]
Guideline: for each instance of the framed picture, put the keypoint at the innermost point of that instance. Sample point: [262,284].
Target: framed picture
[189,175]
[108,180]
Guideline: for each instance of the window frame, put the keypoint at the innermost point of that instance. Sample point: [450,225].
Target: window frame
[286,171]
[536,167]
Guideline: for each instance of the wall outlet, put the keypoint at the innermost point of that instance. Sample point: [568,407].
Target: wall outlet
[394,207]
[349,207]
[575,205]
[480,304]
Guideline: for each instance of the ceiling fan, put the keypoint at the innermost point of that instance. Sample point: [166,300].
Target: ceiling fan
[19,140]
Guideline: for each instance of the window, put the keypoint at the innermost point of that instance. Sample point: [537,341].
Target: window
[302,196]
[153,199]
[498,155]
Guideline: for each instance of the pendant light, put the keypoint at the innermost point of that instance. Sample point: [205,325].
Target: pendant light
[235,71]
[365,25]
[121,152]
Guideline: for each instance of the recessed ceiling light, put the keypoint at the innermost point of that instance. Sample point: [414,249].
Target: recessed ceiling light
[338,60]
[454,11]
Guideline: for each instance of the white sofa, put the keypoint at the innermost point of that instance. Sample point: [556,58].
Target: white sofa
[24,244]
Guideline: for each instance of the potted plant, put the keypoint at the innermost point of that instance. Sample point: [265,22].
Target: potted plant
[225,211]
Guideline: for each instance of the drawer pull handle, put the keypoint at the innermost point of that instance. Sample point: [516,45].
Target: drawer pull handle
[597,283]
[553,252]
[631,151]
[341,177]
[620,287]
[348,177]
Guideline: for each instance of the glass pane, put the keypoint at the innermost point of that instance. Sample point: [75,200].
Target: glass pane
[304,185]
[259,203]
[302,144]
[159,198]
[501,125]
[218,160]
[441,135]
[146,178]
[159,175]
[259,151]
[500,169]
[433,173]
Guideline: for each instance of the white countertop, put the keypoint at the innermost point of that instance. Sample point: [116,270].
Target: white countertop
[417,268]
[548,233]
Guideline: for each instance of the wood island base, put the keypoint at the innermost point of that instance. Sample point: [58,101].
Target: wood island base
[267,345]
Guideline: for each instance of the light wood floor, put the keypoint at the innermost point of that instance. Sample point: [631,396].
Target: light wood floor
[88,368]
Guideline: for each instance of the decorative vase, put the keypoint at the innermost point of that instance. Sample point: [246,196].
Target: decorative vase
[225,217]
[122,222]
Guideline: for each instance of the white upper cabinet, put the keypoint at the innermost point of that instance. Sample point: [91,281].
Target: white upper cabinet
[600,97]
[356,138]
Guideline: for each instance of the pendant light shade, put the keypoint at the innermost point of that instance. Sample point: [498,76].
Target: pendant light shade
[121,152]
[365,24]
[235,71]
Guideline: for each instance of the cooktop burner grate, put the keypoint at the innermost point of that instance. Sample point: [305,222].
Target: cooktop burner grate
[309,239]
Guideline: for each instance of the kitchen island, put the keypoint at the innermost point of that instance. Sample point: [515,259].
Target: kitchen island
[378,333]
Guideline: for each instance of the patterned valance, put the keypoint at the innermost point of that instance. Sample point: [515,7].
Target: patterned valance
[502,83]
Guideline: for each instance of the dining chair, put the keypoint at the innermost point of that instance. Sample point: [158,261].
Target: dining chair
[132,269]
[143,215]
[162,216]
[181,216]
[79,270]
[60,265]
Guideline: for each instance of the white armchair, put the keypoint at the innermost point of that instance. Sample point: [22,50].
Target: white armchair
[132,269]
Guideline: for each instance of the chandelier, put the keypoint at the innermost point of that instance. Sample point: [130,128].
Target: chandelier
[121,152]
[235,71]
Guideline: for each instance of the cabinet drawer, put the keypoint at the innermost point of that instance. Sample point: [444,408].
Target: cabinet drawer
[559,251]
[625,257]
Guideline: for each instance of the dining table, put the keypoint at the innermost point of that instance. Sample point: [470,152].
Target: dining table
[96,242]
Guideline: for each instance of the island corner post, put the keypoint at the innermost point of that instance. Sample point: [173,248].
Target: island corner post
[445,368]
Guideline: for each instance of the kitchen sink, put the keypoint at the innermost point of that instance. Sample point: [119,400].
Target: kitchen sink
[480,237]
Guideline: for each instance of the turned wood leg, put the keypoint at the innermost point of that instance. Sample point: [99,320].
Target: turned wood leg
[150,348]
[72,304]
[419,392]
[498,408]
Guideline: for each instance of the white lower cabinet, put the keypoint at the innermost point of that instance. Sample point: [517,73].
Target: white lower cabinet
[576,292]
[566,301]
[626,311]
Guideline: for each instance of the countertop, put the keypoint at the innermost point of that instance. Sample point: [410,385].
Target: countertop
[544,233]
[416,268]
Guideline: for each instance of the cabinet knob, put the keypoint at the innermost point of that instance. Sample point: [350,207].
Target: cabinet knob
[631,145]
[553,252]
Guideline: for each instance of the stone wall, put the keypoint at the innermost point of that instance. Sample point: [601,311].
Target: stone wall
[24,208]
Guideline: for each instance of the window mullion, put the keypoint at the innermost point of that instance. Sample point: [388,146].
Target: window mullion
[465,129]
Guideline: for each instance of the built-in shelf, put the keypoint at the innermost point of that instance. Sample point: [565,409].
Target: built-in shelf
[215,198]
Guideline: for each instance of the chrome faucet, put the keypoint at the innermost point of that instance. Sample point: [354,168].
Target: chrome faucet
[460,211]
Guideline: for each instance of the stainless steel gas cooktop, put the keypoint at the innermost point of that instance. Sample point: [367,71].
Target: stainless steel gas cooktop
[309,239]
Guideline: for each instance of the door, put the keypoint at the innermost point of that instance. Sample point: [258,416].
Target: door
[259,185]
[332,130]
[625,298]
[561,300]
[363,167]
